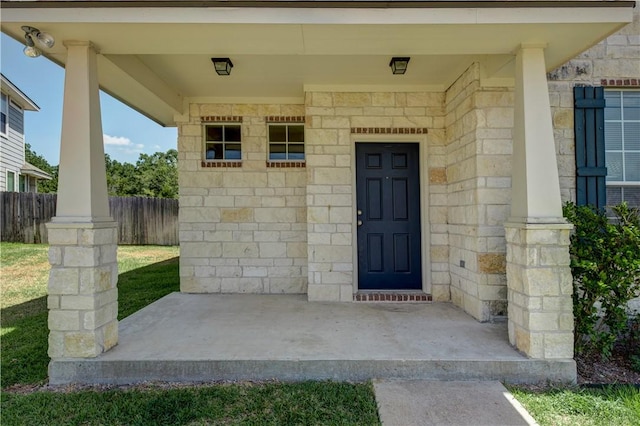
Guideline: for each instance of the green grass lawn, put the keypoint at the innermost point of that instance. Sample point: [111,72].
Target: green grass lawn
[617,405]
[308,403]
[146,274]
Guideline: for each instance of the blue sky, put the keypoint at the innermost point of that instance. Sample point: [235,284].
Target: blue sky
[127,133]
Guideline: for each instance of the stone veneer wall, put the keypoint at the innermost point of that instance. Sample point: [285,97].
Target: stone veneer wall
[330,150]
[614,62]
[242,229]
[479,125]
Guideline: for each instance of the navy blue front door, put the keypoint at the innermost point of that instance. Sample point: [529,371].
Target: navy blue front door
[388,196]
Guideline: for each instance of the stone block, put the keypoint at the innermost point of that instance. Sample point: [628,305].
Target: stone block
[268,250]
[275,215]
[64,320]
[236,215]
[201,249]
[242,285]
[55,255]
[98,236]
[541,321]
[492,263]
[554,256]
[109,335]
[297,250]
[108,254]
[558,345]
[56,344]
[53,302]
[323,293]
[73,302]
[63,281]
[62,236]
[81,345]
[240,250]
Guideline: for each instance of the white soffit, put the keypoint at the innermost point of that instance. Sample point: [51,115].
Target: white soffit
[152,62]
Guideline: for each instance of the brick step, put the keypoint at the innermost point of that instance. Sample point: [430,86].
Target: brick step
[392,296]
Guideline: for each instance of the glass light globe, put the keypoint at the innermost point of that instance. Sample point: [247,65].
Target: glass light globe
[46,39]
[32,52]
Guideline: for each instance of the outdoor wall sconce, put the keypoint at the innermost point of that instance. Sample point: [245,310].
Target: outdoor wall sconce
[222,65]
[399,65]
[31,35]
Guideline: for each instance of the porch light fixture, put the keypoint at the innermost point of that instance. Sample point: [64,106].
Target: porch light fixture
[33,35]
[222,65]
[399,65]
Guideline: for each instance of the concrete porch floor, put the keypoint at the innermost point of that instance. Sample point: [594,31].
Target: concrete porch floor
[208,337]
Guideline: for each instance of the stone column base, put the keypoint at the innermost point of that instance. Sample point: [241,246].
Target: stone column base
[82,291]
[539,289]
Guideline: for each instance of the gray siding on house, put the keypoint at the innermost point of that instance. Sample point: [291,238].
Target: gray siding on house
[12,146]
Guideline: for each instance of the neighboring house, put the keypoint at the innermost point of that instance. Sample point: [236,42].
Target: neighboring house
[15,173]
[309,163]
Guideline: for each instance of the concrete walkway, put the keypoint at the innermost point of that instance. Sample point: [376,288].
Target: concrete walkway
[426,403]
[208,337]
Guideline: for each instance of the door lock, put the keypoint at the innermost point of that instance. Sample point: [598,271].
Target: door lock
[359,212]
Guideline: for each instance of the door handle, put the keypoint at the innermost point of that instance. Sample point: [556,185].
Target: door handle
[359,223]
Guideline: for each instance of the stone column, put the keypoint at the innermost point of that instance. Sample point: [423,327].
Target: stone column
[83,297]
[538,273]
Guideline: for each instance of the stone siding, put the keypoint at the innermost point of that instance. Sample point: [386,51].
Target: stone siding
[614,62]
[479,124]
[242,229]
[331,116]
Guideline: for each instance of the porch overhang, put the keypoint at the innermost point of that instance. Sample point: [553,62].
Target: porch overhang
[156,58]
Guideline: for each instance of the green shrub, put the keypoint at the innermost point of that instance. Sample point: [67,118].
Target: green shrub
[605,263]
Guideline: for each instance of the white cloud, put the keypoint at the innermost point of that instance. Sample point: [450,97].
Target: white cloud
[116,140]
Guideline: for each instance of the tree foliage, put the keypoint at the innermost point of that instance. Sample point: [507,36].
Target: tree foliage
[605,263]
[153,175]
[45,186]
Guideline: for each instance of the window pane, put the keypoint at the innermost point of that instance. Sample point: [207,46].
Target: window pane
[296,133]
[232,151]
[614,195]
[232,134]
[11,181]
[632,166]
[277,133]
[612,108]
[631,103]
[296,151]
[613,136]
[23,183]
[631,194]
[632,136]
[614,166]
[3,103]
[214,133]
[211,149]
[277,151]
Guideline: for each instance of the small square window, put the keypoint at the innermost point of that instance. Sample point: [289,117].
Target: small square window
[223,142]
[286,142]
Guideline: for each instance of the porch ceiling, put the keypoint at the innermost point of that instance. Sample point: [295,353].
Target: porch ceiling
[152,62]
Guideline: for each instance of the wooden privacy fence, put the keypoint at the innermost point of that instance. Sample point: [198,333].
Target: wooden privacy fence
[140,220]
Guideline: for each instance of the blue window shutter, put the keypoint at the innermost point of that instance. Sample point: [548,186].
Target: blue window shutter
[591,171]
